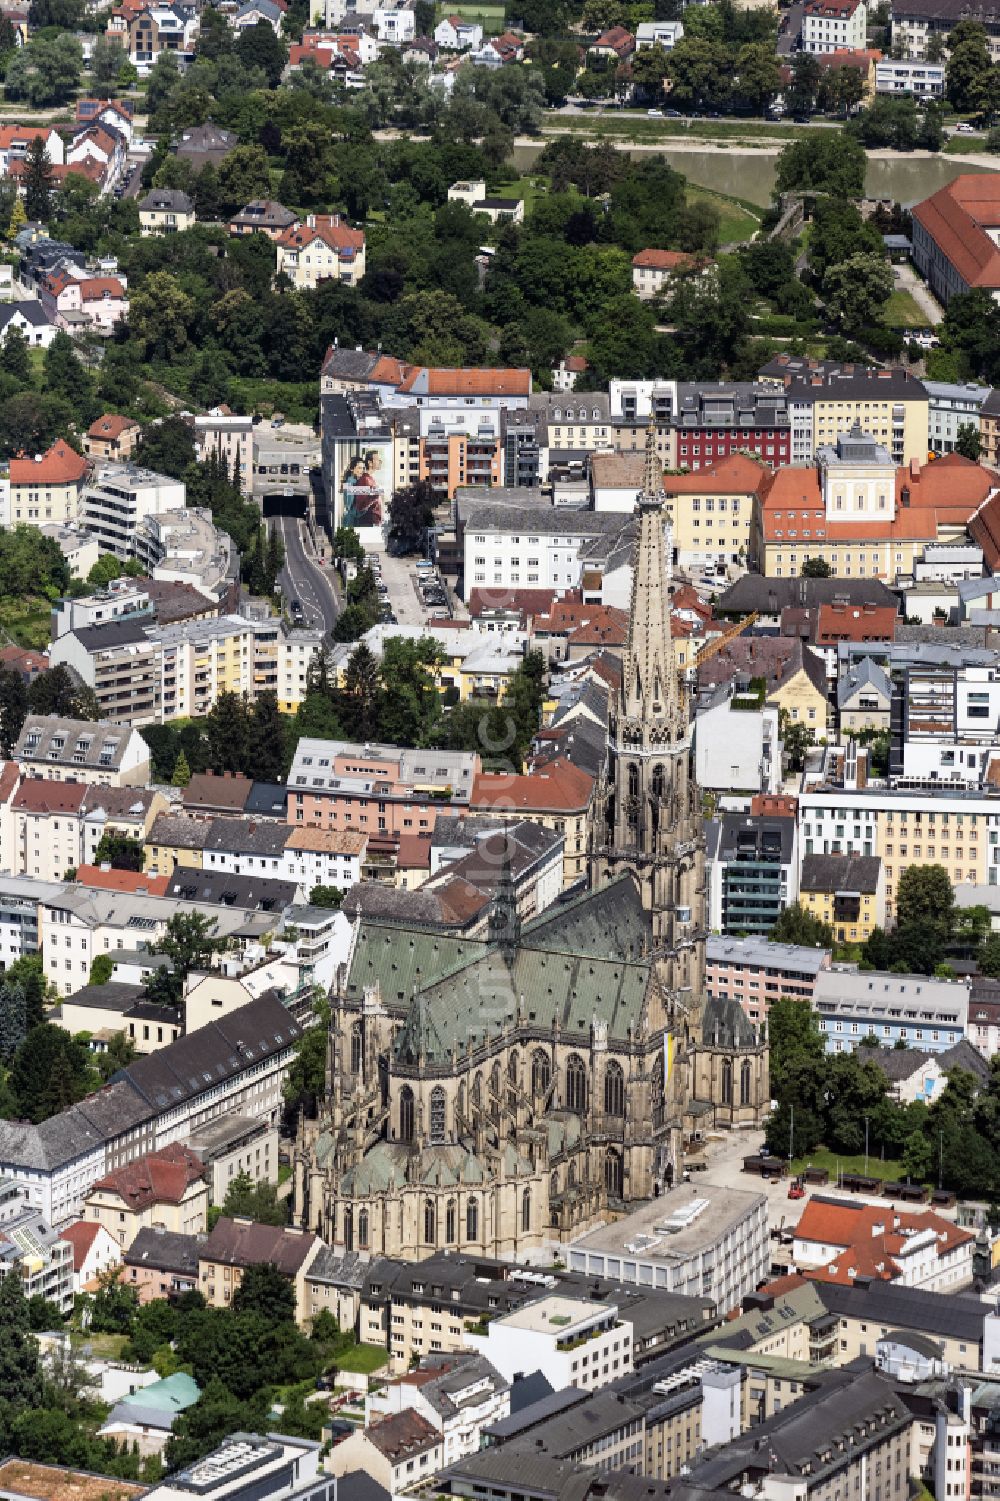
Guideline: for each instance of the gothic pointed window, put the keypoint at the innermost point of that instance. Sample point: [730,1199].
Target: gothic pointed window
[438,1109]
[553,1185]
[429,1221]
[657,781]
[512,1065]
[633,780]
[406,1113]
[526,1210]
[541,1074]
[614,1090]
[363,1230]
[472,1219]
[348,1229]
[727,1081]
[576,1084]
[356,1048]
[571,1175]
[495,1094]
[656,1092]
[449,1222]
[745,1078]
[614,1181]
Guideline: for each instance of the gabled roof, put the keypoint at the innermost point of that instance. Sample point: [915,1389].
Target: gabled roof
[81,1236]
[863,674]
[958,218]
[832,873]
[59,465]
[111,426]
[560,788]
[162,1177]
[242,1243]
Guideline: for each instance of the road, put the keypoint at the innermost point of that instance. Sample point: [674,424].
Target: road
[907,280]
[303,579]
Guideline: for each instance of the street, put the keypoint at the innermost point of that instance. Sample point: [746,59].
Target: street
[303,579]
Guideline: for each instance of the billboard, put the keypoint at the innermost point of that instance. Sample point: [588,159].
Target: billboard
[362,485]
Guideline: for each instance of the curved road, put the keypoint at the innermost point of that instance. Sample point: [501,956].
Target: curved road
[304,579]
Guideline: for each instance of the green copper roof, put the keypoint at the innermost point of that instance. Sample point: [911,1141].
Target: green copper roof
[577,962]
[390,1165]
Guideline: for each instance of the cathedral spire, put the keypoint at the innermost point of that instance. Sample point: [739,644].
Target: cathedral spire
[504,918]
[649,679]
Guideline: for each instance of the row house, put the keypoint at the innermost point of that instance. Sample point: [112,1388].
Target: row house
[79,750]
[698,424]
[377,790]
[15,140]
[58,826]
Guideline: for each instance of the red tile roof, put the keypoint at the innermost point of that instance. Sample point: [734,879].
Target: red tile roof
[121,880]
[331,229]
[162,1177]
[468,382]
[736,475]
[664,260]
[111,426]
[81,1236]
[560,788]
[526,601]
[870,1236]
[39,795]
[843,622]
[413,852]
[98,288]
[957,218]
[60,465]
[14,135]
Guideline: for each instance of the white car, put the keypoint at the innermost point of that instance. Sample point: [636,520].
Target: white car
[965,129]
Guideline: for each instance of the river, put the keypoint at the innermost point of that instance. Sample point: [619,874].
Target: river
[749,175]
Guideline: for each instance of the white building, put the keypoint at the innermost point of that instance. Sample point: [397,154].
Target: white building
[457,35]
[915,1010]
[119,497]
[570,1341]
[665,34]
[950,404]
[530,548]
[922,80]
[737,750]
[395,24]
[834,25]
[465,1398]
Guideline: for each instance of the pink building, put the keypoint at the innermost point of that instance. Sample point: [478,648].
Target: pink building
[756,973]
[379,790]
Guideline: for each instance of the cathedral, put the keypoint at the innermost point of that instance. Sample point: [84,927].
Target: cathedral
[496,1094]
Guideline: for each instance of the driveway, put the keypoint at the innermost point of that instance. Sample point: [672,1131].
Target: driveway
[907,280]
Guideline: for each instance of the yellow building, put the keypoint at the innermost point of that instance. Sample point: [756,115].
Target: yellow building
[164,1190]
[711,512]
[174,840]
[891,405]
[845,891]
[234,1245]
[43,489]
[800,692]
[861,513]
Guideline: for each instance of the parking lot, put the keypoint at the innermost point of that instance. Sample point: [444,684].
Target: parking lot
[405,599]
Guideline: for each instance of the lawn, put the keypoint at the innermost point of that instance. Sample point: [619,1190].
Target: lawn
[748,133]
[888,1170]
[362,1360]
[27,621]
[528,188]
[102,1346]
[736,223]
[489,17]
[902,311]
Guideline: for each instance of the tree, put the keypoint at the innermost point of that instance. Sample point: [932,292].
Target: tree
[968,442]
[699,72]
[259,47]
[411,512]
[800,96]
[266,1291]
[822,161]
[118,1054]
[968,72]
[161,315]
[55,692]
[182,771]
[50,1071]
[797,925]
[267,739]
[13,708]
[119,851]
[20,1368]
[988,957]
[796,738]
[217,1413]
[106,63]
[816,568]
[14,359]
[188,943]
[971,329]
[115,1304]
[346,545]
[360,699]
[228,731]
[38,181]
[101,969]
[307,1072]
[856,291]
[925,917]
[758,77]
[248,1200]
[326,896]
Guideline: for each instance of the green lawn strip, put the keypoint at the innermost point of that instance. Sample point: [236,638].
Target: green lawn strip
[362,1360]
[490,17]
[27,620]
[903,311]
[101,1346]
[736,222]
[889,1171]
[748,133]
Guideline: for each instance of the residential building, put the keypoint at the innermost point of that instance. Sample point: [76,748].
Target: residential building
[947,714]
[560,798]
[112,437]
[914,1074]
[31,321]
[845,891]
[914,22]
[235,1244]
[824,401]
[19,901]
[80,750]
[752,871]
[953,237]
[143,1420]
[161,1264]
[864,697]
[697,423]
[250,1467]
[103,1010]
[205,145]
[737,744]
[457,35]
[31,1249]
[45,488]
[119,497]
[861,513]
[756,973]
[515,546]
[571,1341]
[263,216]
[323,857]
[831,25]
[233,1145]
[950,406]
[376,789]
[15,140]
[921,80]
[95,1253]
[853,1006]
[655,271]
[165,211]
[769,597]
[323,247]
[665,34]
[230,438]
[460,1395]
[121,663]
[918,1249]
[711,512]
[164,1189]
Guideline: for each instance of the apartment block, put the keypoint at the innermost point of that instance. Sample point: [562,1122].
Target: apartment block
[45,488]
[757,973]
[752,869]
[379,790]
[847,892]
[230,439]
[853,1005]
[79,750]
